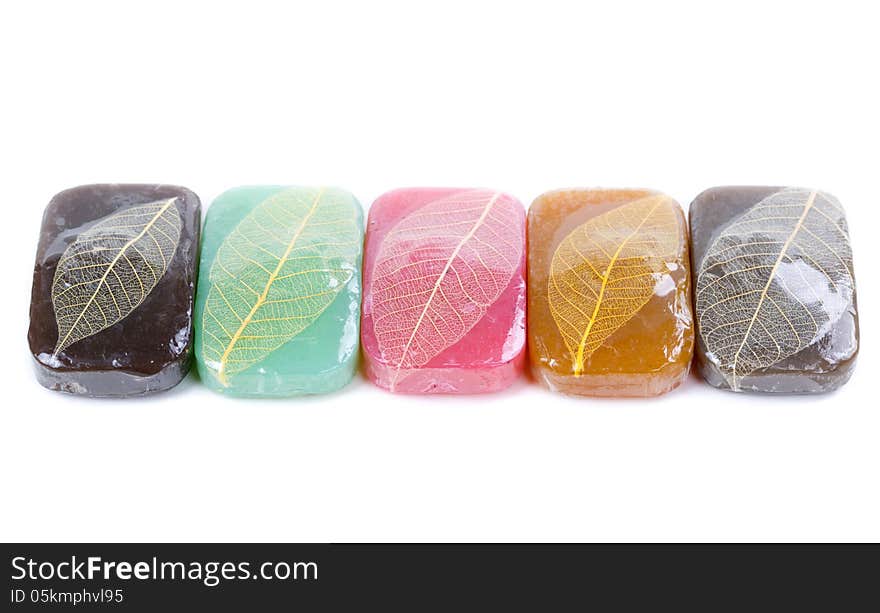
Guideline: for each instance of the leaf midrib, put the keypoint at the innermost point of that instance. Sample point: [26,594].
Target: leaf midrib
[782,253]
[439,281]
[579,359]
[221,370]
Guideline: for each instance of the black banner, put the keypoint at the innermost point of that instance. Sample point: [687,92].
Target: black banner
[267,577]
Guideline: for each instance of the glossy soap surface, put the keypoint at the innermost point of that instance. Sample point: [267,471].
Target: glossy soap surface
[609,292]
[774,289]
[114,280]
[279,295]
[444,300]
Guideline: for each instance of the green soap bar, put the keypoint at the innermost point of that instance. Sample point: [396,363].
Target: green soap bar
[278,300]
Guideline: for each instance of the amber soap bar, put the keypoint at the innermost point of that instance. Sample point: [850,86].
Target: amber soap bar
[114,282]
[609,303]
[775,295]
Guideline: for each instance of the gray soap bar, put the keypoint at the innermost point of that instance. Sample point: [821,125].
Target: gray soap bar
[774,290]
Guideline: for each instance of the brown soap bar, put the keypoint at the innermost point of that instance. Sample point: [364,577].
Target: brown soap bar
[774,289]
[114,279]
[609,292]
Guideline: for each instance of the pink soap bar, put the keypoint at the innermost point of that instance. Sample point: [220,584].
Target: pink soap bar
[444,291]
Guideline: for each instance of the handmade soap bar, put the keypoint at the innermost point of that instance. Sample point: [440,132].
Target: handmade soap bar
[444,297]
[112,299]
[775,295]
[279,294]
[609,292]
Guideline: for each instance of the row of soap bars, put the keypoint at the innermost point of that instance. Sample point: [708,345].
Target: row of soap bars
[611,295]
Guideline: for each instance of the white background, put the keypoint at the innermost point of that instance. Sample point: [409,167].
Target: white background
[376,95]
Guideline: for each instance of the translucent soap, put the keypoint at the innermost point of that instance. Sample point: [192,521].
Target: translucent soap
[609,292]
[278,301]
[444,291]
[113,290]
[775,294]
